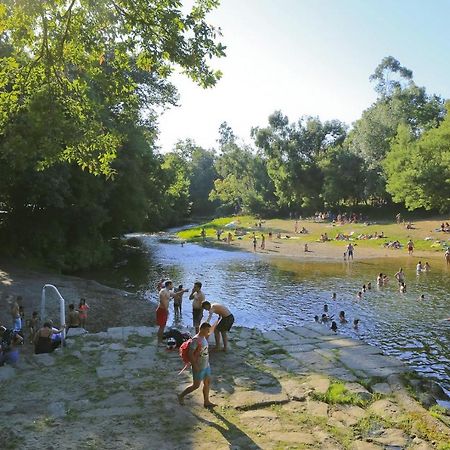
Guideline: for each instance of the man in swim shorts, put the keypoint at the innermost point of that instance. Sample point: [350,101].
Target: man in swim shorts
[197,297]
[162,312]
[223,326]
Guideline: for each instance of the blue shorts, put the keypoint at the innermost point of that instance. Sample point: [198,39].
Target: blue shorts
[202,374]
[17,326]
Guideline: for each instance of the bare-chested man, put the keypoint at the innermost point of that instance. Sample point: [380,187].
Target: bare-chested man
[400,276]
[162,312]
[198,297]
[223,326]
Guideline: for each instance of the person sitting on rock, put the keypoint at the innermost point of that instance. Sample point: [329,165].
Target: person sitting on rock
[9,346]
[43,342]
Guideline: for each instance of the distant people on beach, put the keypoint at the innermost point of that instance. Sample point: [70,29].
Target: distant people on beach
[410,247]
[447,256]
[350,249]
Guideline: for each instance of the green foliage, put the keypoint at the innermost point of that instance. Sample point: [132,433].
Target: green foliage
[338,394]
[418,171]
[292,152]
[101,63]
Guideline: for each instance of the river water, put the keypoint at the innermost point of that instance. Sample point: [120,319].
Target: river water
[275,293]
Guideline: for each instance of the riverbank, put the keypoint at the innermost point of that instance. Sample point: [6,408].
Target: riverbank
[302,387]
[429,243]
[109,307]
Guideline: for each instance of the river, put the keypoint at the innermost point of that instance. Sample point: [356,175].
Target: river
[275,293]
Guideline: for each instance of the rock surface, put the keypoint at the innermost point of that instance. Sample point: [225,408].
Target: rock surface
[117,390]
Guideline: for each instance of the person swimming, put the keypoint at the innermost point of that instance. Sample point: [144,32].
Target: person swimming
[422,297]
[359,295]
[380,279]
[334,326]
[342,318]
[316,319]
[333,297]
[369,286]
[364,288]
[325,308]
[355,324]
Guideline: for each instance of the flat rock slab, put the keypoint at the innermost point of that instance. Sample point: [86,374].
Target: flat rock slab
[392,437]
[7,372]
[318,383]
[385,409]
[110,372]
[317,409]
[246,400]
[362,445]
[57,409]
[292,437]
[348,416]
[110,412]
[44,359]
[382,388]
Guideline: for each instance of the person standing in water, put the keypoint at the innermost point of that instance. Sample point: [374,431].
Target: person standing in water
[400,276]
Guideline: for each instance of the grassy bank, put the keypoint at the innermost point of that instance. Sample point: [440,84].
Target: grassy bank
[424,234]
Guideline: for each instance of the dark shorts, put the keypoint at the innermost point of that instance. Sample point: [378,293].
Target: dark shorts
[225,323]
[197,315]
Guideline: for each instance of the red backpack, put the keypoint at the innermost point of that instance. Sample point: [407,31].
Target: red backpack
[184,352]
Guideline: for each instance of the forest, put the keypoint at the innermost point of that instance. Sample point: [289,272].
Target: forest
[82,84]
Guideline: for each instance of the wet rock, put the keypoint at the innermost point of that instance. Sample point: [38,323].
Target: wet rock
[110,372]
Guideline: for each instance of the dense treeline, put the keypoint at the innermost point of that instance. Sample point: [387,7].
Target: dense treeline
[398,151]
[80,87]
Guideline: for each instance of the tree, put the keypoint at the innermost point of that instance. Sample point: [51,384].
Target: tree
[292,152]
[418,171]
[400,101]
[343,176]
[390,76]
[101,63]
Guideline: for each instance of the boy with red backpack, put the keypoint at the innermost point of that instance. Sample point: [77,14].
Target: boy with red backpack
[195,352]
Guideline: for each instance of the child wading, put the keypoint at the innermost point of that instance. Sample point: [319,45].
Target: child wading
[199,358]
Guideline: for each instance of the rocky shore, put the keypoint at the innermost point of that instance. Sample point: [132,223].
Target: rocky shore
[302,387]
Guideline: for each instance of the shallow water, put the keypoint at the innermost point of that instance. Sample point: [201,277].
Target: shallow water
[275,293]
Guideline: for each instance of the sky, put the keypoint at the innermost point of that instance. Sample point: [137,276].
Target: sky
[308,57]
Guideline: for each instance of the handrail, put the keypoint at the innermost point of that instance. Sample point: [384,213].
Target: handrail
[62,310]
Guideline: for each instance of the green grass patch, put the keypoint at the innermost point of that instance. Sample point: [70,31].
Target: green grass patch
[194,234]
[337,394]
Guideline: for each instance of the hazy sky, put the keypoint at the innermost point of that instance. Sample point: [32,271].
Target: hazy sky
[308,57]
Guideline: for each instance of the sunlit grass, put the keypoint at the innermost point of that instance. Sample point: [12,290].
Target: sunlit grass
[356,232]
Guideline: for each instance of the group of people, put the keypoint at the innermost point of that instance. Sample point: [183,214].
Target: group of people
[198,352]
[45,338]
[325,318]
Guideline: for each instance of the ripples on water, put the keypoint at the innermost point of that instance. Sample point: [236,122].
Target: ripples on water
[278,293]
